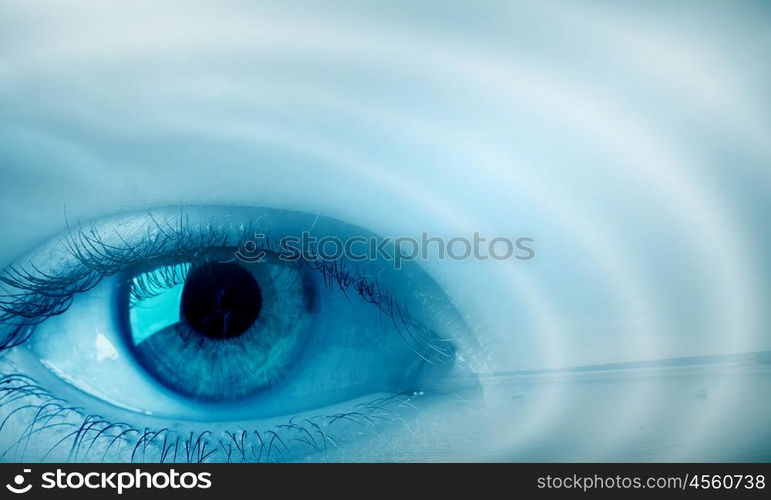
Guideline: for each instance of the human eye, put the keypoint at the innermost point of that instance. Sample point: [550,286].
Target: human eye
[180,335]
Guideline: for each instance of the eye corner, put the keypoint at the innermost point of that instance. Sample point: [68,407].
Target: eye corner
[353,341]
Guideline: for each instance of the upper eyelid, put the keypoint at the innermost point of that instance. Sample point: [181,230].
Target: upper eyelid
[39,294]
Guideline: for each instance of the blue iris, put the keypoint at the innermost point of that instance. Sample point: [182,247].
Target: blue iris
[218,329]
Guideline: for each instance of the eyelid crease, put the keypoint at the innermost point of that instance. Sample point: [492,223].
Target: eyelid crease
[39,295]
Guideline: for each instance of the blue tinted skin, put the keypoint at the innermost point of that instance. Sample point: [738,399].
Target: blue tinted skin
[336,344]
[634,151]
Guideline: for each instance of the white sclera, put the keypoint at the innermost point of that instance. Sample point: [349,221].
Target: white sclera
[355,351]
[92,356]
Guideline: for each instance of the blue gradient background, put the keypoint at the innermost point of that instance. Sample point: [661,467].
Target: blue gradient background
[632,140]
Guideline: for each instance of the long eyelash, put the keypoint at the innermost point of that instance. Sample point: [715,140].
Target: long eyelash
[29,296]
[147,285]
[87,437]
[426,344]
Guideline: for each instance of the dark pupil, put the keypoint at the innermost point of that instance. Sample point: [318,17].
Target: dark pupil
[221,300]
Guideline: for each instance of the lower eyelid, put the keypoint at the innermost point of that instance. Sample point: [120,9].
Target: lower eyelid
[50,429]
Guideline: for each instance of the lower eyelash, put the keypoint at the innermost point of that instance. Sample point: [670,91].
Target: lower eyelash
[91,438]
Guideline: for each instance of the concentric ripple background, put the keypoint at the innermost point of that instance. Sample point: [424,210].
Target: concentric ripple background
[631,140]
